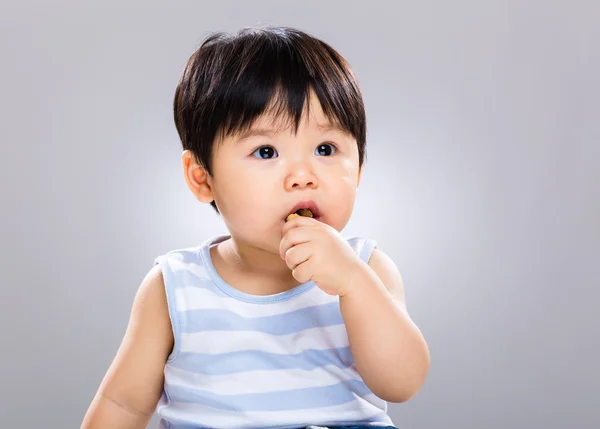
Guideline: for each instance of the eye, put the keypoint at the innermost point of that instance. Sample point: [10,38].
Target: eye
[326,149]
[265,152]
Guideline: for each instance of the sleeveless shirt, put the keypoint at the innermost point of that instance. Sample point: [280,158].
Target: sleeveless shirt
[242,361]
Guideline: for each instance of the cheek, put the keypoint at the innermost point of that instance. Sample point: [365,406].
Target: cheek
[342,197]
[348,176]
[243,195]
[348,167]
[227,189]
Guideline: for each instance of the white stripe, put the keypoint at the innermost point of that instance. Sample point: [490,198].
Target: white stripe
[260,381]
[216,342]
[203,416]
[197,269]
[199,298]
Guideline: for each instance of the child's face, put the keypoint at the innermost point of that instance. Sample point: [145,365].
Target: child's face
[258,179]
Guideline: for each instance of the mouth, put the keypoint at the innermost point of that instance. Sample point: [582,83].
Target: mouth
[304,208]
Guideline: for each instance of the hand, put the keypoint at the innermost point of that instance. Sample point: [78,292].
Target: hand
[315,251]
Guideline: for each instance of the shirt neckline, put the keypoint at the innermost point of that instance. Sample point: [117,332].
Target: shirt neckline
[236,293]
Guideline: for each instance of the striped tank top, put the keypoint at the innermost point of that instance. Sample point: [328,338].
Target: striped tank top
[244,361]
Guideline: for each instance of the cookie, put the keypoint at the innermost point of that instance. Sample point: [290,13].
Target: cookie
[300,212]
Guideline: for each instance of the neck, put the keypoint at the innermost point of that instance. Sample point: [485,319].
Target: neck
[256,262]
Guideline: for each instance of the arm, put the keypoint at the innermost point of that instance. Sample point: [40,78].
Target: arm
[132,386]
[390,353]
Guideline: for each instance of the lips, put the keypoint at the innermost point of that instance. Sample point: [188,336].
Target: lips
[310,205]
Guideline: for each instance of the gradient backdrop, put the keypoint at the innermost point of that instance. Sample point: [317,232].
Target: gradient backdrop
[482,183]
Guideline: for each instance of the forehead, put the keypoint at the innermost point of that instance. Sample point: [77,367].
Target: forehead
[312,117]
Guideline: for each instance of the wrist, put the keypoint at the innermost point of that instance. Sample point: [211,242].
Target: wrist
[359,280]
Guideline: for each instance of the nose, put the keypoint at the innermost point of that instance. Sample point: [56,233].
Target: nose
[300,176]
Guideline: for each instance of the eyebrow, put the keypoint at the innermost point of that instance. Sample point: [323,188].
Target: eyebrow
[269,132]
[329,127]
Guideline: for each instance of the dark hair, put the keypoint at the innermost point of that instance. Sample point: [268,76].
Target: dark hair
[232,79]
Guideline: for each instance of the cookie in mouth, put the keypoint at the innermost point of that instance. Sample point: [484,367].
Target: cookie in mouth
[299,212]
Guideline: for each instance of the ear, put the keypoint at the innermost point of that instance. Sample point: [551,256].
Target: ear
[197,178]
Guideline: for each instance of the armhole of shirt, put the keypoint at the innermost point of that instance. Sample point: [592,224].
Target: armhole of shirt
[365,249]
[170,284]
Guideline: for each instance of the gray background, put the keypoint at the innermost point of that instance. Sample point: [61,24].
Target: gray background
[482,183]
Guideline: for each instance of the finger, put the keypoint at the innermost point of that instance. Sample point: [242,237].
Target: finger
[298,254]
[292,238]
[298,222]
[303,272]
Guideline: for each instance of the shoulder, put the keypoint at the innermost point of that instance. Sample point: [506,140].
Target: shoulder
[389,274]
[150,303]
[190,254]
[150,321]
[152,282]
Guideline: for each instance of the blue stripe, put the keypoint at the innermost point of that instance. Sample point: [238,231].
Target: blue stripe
[279,324]
[296,399]
[254,360]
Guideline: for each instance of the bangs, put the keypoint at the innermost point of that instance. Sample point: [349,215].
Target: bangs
[233,80]
[275,77]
